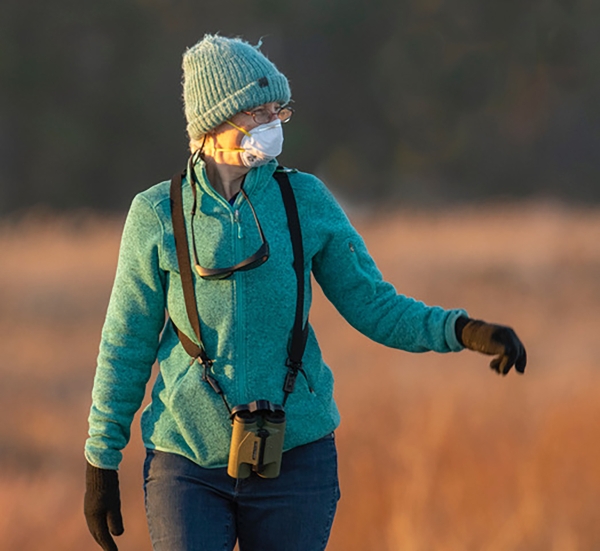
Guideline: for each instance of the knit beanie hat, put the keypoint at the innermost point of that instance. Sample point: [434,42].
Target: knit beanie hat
[223,76]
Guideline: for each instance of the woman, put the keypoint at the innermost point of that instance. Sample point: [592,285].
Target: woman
[250,283]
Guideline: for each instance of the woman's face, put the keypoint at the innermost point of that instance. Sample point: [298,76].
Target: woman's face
[227,137]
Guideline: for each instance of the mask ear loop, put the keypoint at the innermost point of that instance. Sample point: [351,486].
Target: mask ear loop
[197,154]
[192,178]
[200,151]
[242,130]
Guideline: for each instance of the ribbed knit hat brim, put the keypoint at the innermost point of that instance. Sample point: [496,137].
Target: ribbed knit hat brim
[223,76]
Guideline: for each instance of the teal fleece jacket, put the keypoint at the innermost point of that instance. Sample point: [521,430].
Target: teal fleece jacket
[246,320]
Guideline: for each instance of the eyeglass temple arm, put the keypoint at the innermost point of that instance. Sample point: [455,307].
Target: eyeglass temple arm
[260,230]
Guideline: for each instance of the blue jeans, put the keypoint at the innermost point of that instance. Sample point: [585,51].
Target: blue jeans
[191,508]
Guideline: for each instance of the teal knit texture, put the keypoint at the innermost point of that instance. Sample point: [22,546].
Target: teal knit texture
[223,76]
[246,320]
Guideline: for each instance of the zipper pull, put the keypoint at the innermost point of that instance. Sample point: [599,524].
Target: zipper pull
[239,225]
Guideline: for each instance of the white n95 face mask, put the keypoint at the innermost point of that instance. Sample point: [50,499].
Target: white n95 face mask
[261,144]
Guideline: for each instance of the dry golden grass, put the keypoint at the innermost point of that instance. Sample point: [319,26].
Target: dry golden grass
[436,452]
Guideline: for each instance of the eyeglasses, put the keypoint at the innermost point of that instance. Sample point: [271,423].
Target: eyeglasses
[262,115]
[254,261]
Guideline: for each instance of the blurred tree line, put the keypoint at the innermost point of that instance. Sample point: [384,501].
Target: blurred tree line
[418,101]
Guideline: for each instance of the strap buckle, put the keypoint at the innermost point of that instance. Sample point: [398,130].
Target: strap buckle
[292,375]
[207,377]
[293,365]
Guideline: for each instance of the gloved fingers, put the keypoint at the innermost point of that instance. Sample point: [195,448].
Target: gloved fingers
[495,363]
[102,506]
[516,347]
[503,363]
[510,361]
[521,360]
[101,534]
[514,350]
[115,522]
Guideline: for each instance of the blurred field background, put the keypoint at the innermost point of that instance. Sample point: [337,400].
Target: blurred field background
[437,452]
[421,101]
[468,133]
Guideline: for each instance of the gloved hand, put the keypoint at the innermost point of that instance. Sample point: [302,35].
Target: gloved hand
[102,506]
[495,340]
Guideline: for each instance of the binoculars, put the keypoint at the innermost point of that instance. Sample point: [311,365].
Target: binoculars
[257,439]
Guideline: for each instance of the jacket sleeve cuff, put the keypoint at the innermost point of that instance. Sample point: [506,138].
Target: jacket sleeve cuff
[108,459]
[450,330]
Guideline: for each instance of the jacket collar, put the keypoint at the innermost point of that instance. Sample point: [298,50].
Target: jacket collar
[256,179]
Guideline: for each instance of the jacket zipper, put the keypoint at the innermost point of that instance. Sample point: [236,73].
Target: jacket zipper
[240,369]
[238,223]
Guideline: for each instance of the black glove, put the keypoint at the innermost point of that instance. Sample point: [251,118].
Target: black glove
[102,506]
[495,340]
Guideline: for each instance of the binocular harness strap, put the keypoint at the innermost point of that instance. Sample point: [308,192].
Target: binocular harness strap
[197,352]
[299,330]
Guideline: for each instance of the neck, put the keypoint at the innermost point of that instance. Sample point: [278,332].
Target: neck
[226,179]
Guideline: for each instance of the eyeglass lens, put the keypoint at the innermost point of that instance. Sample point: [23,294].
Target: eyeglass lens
[263,116]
